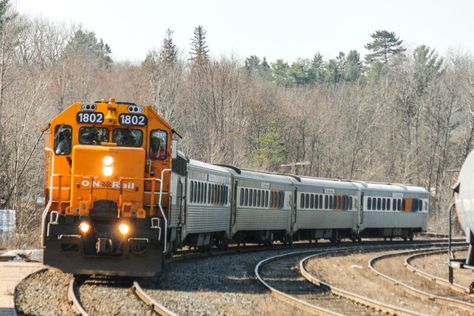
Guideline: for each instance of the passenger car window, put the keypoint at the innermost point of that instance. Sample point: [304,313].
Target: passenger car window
[93,135]
[62,139]
[127,137]
[282,199]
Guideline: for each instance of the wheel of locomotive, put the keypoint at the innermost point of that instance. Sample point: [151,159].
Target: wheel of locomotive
[267,242]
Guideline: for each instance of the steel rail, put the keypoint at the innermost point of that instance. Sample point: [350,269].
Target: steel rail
[432,277]
[415,291]
[148,300]
[72,298]
[284,297]
[312,308]
[352,296]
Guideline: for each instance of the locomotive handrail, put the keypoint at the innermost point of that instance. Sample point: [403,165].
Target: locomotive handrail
[48,205]
[152,200]
[161,209]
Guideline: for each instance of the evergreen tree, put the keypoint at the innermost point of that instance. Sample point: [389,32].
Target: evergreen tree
[281,73]
[199,50]
[383,47]
[353,66]
[271,151]
[85,44]
[252,65]
[316,71]
[341,64]
[265,69]
[168,52]
[300,71]
[427,67]
[331,73]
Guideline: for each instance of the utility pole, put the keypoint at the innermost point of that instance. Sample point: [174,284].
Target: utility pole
[293,165]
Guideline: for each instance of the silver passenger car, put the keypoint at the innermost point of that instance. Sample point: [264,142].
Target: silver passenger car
[207,215]
[393,210]
[262,207]
[326,209]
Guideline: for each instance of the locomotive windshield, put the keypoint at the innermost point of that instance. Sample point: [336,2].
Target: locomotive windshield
[127,137]
[93,135]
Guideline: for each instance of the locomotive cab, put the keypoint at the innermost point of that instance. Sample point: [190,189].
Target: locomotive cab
[107,188]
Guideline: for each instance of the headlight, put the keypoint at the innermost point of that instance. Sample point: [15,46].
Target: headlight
[124,229]
[84,227]
[108,166]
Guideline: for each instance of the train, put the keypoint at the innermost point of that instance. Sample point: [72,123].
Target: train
[121,197]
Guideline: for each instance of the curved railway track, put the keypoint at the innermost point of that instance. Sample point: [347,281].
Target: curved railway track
[350,295]
[449,297]
[289,288]
[432,277]
[347,302]
[82,308]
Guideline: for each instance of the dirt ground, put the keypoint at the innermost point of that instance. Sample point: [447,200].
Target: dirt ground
[351,272]
[438,266]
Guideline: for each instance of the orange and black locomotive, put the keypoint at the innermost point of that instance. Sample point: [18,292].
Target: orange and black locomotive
[107,181]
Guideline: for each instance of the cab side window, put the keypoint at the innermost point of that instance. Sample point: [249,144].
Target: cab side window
[158,144]
[62,139]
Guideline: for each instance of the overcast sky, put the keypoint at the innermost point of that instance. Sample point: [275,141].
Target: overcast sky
[275,29]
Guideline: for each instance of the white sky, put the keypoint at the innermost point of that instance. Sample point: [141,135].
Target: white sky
[275,29]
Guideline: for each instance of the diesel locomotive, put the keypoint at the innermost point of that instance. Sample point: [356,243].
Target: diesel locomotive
[107,181]
[120,197]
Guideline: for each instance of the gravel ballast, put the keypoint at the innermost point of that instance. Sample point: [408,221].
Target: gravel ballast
[43,293]
[101,296]
[224,285]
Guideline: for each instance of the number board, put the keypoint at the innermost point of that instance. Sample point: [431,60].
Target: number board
[133,119]
[90,117]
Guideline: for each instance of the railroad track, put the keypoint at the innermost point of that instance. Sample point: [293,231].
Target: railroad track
[347,303]
[73,291]
[81,300]
[432,277]
[445,296]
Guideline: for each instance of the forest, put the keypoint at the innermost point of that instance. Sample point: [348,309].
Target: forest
[394,115]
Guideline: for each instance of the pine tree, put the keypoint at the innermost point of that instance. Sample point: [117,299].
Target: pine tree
[271,151]
[281,73]
[383,47]
[353,66]
[331,73]
[427,67]
[168,52]
[300,71]
[85,43]
[316,71]
[199,50]
[252,65]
